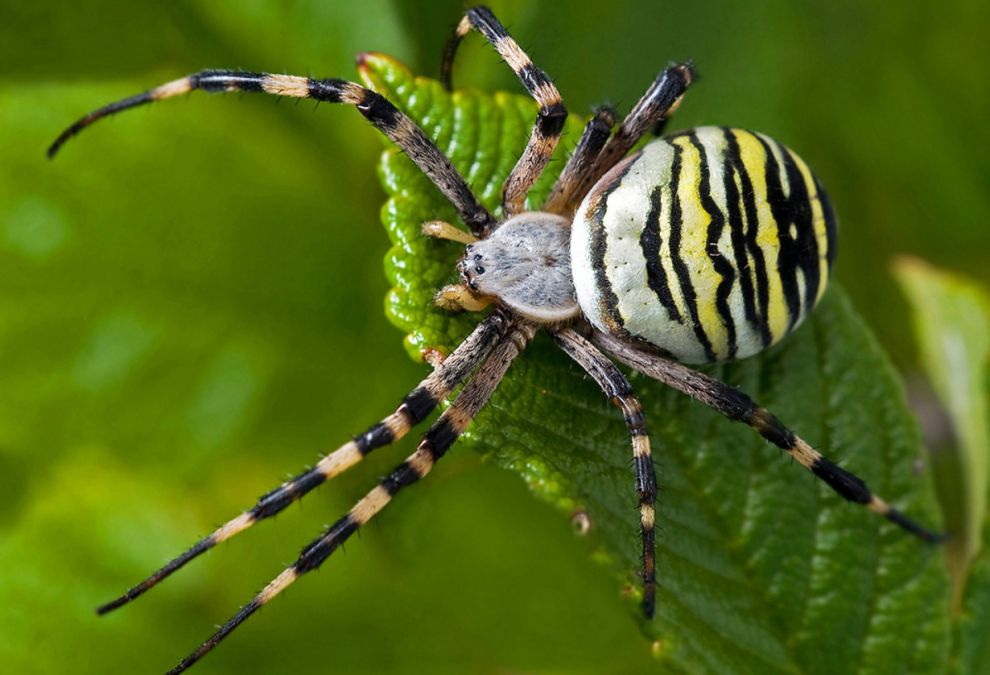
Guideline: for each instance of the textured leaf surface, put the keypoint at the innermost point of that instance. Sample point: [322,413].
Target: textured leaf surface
[762,570]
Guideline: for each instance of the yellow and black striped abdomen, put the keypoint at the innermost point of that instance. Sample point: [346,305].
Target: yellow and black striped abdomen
[711,244]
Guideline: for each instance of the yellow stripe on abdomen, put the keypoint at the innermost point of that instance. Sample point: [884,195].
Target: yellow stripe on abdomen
[693,250]
[754,160]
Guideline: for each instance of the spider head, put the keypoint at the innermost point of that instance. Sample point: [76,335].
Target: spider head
[525,264]
[470,267]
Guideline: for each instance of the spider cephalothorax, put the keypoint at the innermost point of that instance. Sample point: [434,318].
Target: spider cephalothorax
[526,265]
[704,246]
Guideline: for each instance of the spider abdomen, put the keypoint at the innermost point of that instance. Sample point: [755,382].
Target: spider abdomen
[711,244]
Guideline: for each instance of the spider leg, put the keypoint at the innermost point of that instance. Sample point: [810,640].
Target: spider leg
[660,101]
[739,407]
[415,407]
[441,230]
[437,440]
[596,132]
[615,385]
[549,119]
[382,114]
[457,297]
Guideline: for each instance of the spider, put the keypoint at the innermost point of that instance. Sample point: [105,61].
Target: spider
[705,246]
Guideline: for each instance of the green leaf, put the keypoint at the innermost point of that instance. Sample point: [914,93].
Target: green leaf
[971,637]
[761,568]
[952,325]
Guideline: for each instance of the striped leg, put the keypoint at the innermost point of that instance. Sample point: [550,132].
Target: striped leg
[382,114]
[435,443]
[596,132]
[549,119]
[660,101]
[414,408]
[739,407]
[617,388]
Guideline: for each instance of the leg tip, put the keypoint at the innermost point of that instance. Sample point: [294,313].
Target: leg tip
[908,525]
[649,606]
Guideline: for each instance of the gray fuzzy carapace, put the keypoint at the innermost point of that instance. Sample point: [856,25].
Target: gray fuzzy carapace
[526,264]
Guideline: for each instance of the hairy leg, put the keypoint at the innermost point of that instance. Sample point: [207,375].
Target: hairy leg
[382,114]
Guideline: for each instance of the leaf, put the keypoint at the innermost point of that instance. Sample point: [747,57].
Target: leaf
[971,637]
[761,568]
[952,325]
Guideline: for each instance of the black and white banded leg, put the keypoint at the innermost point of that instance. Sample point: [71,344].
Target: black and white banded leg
[382,114]
[660,101]
[739,407]
[437,440]
[549,119]
[596,133]
[415,407]
[615,385]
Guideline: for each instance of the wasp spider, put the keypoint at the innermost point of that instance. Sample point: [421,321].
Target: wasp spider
[705,246]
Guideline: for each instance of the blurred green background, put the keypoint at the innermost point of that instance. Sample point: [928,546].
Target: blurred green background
[191,309]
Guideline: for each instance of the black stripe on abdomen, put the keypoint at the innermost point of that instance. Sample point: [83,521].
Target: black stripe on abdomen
[716,225]
[650,242]
[787,269]
[738,236]
[747,203]
[597,238]
[688,296]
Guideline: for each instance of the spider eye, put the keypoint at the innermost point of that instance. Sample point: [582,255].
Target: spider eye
[479,269]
